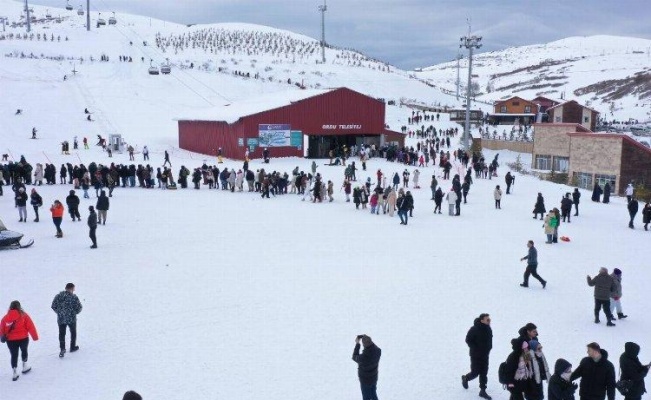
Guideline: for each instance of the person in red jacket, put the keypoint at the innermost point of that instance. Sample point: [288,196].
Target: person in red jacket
[16,327]
[57,216]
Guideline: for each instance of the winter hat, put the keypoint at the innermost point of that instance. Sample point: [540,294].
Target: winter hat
[533,344]
[617,271]
[72,192]
[91,208]
[131,395]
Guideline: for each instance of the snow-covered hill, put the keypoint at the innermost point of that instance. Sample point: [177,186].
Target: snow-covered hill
[608,73]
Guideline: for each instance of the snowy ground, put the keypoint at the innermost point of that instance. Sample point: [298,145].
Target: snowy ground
[208,294]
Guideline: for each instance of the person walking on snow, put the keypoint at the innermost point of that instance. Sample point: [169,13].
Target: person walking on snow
[576,198]
[480,342]
[629,192]
[597,375]
[632,369]
[604,286]
[560,387]
[92,226]
[616,295]
[632,211]
[497,194]
[167,159]
[16,327]
[367,366]
[66,305]
[532,266]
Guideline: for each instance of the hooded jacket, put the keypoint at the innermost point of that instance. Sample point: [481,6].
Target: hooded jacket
[632,369]
[367,363]
[597,378]
[479,339]
[22,326]
[559,388]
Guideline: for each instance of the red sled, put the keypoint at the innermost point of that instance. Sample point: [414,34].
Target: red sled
[565,238]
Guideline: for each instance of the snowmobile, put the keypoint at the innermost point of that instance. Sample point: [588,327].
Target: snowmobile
[11,240]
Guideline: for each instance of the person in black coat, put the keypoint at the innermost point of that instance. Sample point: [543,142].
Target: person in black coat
[597,375]
[646,215]
[480,342]
[520,383]
[367,366]
[102,207]
[576,197]
[438,199]
[632,211]
[456,186]
[596,192]
[509,181]
[73,205]
[606,193]
[632,369]
[560,387]
[566,207]
[539,207]
[92,226]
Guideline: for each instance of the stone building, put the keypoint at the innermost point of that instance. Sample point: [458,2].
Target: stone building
[589,157]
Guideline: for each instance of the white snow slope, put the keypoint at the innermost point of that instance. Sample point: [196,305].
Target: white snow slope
[560,68]
[211,294]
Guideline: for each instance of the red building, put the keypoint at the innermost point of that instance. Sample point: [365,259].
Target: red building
[289,124]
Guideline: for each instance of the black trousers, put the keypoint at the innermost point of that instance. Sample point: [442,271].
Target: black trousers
[91,235]
[62,335]
[14,346]
[74,212]
[532,270]
[478,367]
[508,188]
[605,304]
[497,204]
[576,209]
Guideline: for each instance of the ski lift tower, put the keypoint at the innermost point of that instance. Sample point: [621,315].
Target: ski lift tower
[470,43]
[88,15]
[29,26]
[323,10]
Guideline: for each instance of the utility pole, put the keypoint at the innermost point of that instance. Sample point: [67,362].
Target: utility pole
[29,26]
[4,20]
[323,10]
[458,67]
[88,15]
[470,43]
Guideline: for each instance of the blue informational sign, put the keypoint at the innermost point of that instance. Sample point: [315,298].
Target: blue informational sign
[296,139]
[275,135]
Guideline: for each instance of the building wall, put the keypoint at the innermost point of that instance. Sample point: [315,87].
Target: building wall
[339,112]
[636,164]
[520,147]
[556,115]
[515,109]
[551,139]
[593,154]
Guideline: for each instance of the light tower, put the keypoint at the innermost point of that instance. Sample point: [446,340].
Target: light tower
[88,15]
[323,10]
[470,43]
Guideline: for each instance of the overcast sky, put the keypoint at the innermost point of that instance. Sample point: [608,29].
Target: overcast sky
[408,33]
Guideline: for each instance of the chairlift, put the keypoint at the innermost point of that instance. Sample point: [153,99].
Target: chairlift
[112,20]
[153,70]
[68,6]
[101,21]
[166,68]
[80,11]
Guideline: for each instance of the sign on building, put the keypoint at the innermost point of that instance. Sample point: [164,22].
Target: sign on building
[296,139]
[274,135]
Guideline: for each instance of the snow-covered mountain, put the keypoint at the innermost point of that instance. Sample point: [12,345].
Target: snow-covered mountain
[611,74]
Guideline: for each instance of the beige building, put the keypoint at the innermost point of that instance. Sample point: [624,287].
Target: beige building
[589,157]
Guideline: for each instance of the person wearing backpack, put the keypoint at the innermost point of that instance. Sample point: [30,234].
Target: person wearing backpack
[518,371]
[480,342]
[560,387]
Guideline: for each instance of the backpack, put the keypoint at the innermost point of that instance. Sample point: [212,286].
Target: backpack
[501,374]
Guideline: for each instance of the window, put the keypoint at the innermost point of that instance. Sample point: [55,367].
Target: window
[602,179]
[527,109]
[586,119]
[583,180]
[557,119]
[561,164]
[544,162]
[503,109]
[515,103]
